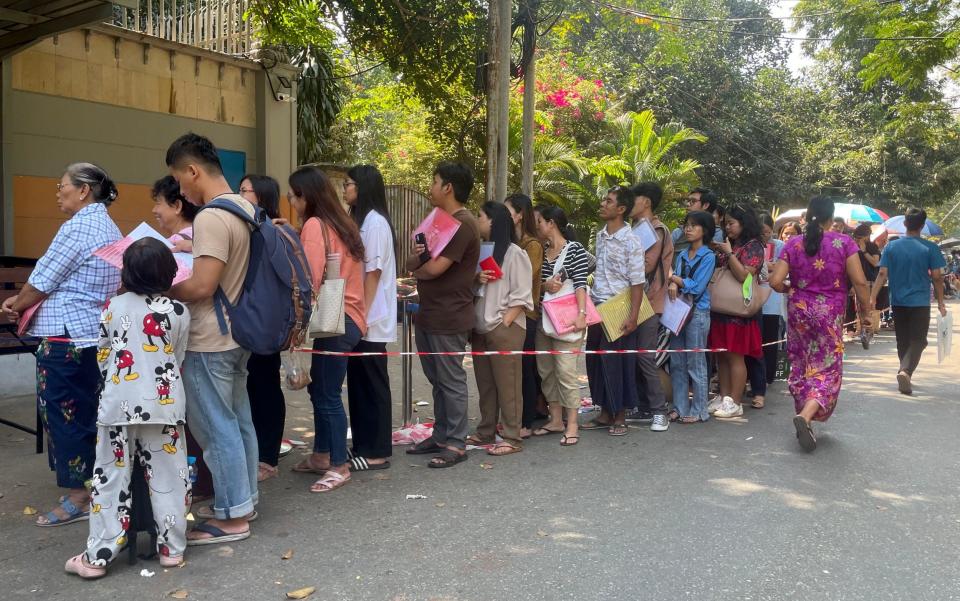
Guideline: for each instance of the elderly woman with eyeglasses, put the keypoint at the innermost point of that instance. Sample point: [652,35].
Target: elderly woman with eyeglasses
[71,286]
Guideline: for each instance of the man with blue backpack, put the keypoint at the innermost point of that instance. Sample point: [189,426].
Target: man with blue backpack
[240,258]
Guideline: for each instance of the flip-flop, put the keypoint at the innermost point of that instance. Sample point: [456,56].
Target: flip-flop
[617,430]
[305,467]
[808,442]
[217,536]
[689,419]
[360,464]
[331,481]
[546,431]
[206,513]
[76,566]
[503,445]
[447,458]
[565,440]
[595,425]
[477,441]
[74,514]
[425,447]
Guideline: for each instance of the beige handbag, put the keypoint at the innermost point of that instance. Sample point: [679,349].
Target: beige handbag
[726,295]
[327,317]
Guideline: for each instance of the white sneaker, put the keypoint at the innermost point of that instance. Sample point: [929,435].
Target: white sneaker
[714,404]
[729,409]
[659,423]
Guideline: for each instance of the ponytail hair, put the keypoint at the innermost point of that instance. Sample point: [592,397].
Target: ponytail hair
[819,212]
[559,219]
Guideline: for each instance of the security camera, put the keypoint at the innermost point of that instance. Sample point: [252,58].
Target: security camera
[281,97]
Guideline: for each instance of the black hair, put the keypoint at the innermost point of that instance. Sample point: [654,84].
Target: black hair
[457,175]
[371,196]
[708,198]
[914,219]
[148,267]
[522,204]
[625,198]
[819,211]
[862,230]
[194,147]
[651,190]
[559,219]
[765,219]
[101,186]
[267,191]
[321,201]
[168,189]
[705,220]
[841,221]
[749,225]
[502,233]
[794,225]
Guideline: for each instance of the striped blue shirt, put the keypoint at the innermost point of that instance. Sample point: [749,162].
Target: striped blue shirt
[77,283]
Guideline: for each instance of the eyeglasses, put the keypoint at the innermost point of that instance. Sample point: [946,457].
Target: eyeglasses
[61,185]
[693,201]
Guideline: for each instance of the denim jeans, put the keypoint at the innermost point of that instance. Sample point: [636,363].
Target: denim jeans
[218,411]
[327,374]
[687,367]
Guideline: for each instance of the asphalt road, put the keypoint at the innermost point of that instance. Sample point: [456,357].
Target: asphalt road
[730,510]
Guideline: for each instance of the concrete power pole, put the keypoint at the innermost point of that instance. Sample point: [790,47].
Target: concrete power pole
[529,93]
[498,97]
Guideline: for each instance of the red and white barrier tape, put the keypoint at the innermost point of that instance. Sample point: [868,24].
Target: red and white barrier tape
[502,353]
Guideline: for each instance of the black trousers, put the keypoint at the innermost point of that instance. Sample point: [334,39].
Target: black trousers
[761,372]
[370,402]
[531,377]
[267,405]
[910,325]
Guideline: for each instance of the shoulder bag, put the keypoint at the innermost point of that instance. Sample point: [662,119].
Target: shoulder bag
[327,318]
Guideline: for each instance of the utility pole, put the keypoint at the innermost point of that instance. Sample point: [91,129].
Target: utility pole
[529,92]
[498,97]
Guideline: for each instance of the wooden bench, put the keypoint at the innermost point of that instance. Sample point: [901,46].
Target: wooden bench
[14,272]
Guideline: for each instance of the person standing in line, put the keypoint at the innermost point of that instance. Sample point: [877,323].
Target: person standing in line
[218,408]
[368,383]
[818,264]
[72,284]
[761,371]
[501,302]
[911,264]
[332,244]
[564,271]
[743,256]
[869,261]
[839,225]
[658,259]
[620,266]
[446,315]
[525,230]
[789,230]
[691,278]
[699,199]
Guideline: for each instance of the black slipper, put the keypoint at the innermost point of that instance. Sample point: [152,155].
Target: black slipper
[359,464]
[425,447]
[448,459]
[808,442]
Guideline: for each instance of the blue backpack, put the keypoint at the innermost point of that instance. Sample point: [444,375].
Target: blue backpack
[273,310]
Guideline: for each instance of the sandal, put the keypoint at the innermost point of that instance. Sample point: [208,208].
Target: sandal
[216,535]
[74,514]
[674,416]
[360,464]
[543,431]
[565,440]
[447,458]
[617,430]
[758,402]
[595,425]
[689,419]
[477,441]
[78,565]
[808,442]
[206,513]
[331,481]
[306,467]
[265,471]
[171,561]
[425,447]
[504,449]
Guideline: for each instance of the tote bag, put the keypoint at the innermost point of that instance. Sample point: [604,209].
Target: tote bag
[727,295]
[327,318]
[565,289]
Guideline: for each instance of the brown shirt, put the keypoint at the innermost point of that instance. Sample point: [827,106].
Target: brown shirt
[446,302]
[534,250]
[218,234]
[661,251]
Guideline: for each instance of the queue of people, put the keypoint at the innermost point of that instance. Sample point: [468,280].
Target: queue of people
[123,371]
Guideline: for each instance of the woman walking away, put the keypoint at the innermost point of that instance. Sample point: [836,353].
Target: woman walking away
[743,256]
[762,371]
[500,326]
[268,407]
[72,284]
[332,244]
[368,384]
[691,279]
[818,265]
[564,271]
[525,230]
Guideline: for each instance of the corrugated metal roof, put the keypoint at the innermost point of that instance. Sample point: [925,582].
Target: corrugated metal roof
[24,22]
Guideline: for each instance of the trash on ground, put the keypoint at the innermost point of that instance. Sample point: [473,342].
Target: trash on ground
[178,594]
[146,573]
[29,510]
[414,497]
[301,593]
[287,554]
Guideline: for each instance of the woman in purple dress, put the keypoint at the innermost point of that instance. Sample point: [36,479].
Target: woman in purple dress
[819,264]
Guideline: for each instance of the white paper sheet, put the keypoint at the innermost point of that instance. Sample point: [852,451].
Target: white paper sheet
[675,314]
[646,233]
[944,336]
[486,251]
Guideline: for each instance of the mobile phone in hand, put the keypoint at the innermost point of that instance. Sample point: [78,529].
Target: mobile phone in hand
[563,275]
[422,240]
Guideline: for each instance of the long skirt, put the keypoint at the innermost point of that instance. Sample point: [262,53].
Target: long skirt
[815,348]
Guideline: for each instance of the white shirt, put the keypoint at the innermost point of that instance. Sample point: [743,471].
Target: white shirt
[620,263]
[380,254]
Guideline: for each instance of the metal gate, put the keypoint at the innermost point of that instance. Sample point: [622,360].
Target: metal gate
[407,209]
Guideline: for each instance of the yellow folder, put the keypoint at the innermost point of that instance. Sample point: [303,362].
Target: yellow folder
[616,310]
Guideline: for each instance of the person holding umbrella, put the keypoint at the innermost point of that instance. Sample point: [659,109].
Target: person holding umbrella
[911,264]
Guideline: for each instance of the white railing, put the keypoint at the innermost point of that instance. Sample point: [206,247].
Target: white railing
[216,25]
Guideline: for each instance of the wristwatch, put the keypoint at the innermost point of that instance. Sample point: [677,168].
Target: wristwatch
[583,311]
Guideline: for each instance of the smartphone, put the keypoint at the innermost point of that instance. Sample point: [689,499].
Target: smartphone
[422,240]
[563,274]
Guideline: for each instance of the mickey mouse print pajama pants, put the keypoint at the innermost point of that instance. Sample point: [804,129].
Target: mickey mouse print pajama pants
[161,451]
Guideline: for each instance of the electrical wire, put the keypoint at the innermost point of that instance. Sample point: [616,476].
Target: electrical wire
[745,19]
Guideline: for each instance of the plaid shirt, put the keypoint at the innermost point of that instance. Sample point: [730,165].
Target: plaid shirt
[620,263]
[76,282]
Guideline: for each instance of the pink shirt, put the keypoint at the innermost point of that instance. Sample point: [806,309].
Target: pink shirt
[351,269]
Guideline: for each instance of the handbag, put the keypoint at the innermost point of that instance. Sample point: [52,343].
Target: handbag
[562,311]
[327,317]
[566,289]
[726,295]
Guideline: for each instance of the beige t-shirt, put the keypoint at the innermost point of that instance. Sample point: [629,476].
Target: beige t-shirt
[218,234]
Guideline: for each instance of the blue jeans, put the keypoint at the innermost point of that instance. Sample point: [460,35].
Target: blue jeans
[218,411]
[687,367]
[327,374]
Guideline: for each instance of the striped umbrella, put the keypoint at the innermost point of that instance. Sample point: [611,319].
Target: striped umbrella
[859,213]
[895,225]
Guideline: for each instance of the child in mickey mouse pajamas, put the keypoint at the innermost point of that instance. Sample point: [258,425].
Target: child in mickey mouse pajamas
[141,415]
